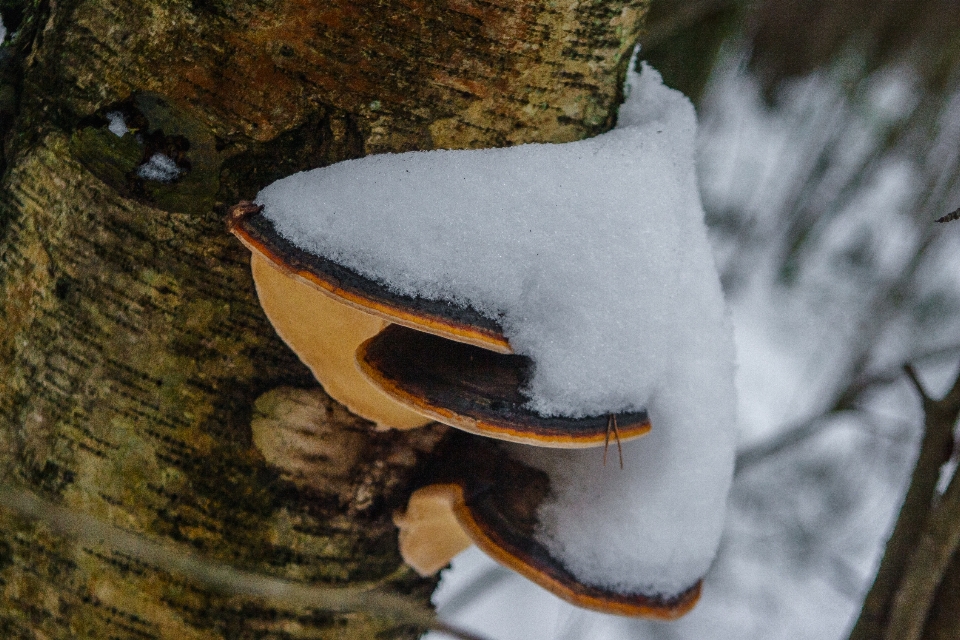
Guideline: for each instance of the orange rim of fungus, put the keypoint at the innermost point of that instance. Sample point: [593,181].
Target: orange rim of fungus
[439,318]
[541,569]
[453,405]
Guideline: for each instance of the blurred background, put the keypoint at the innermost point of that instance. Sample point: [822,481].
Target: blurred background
[829,142]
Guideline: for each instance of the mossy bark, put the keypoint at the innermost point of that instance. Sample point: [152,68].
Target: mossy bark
[132,347]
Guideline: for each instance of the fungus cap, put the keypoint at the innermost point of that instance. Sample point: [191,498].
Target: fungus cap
[348,287]
[430,534]
[455,368]
[495,502]
[325,334]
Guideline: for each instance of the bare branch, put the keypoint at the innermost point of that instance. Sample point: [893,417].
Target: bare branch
[916,522]
[954,215]
[787,439]
[926,568]
[912,375]
[943,623]
[846,400]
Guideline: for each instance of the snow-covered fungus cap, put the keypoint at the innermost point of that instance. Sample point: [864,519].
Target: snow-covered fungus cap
[548,295]
[480,494]
[454,366]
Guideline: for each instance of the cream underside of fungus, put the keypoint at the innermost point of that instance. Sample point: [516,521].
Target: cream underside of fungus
[430,535]
[325,335]
[593,257]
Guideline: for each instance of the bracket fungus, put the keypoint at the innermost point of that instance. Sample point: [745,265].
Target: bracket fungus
[335,320]
[322,327]
[479,493]
[478,391]
[536,295]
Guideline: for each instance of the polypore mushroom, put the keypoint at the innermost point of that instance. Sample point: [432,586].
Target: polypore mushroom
[430,533]
[481,492]
[320,329]
[329,315]
[590,260]
[349,288]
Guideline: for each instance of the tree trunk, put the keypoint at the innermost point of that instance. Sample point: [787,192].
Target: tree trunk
[133,354]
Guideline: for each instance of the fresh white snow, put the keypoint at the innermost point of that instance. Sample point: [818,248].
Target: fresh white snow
[594,256]
[117,124]
[805,529]
[159,168]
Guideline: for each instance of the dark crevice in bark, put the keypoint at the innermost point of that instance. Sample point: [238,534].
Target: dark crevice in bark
[327,135]
[22,20]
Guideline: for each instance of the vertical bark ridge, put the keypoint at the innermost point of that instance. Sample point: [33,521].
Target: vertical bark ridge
[134,354]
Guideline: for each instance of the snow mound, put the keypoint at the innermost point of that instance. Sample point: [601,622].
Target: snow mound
[117,124]
[593,255]
[159,168]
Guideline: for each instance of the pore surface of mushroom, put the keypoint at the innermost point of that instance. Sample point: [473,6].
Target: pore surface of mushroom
[478,391]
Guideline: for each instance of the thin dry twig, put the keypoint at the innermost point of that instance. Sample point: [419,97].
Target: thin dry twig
[954,215]
[612,420]
[182,561]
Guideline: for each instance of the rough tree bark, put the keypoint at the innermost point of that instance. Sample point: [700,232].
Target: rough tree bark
[133,355]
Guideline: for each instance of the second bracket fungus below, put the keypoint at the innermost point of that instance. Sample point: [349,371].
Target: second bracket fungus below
[588,264]
[637,555]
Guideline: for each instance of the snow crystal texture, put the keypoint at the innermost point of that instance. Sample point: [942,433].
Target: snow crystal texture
[117,124]
[159,168]
[594,257]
